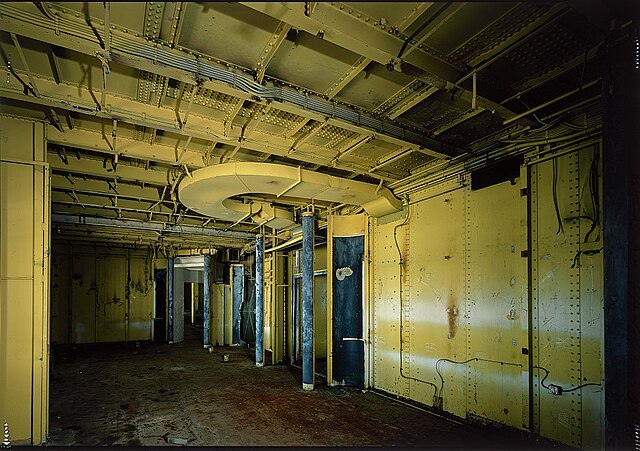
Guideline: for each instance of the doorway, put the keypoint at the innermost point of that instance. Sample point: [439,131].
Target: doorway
[160,305]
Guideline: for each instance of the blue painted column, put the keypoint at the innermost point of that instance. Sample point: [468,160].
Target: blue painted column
[170,299]
[207,300]
[307,301]
[259,299]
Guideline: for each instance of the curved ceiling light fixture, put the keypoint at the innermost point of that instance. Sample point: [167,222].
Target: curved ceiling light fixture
[208,191]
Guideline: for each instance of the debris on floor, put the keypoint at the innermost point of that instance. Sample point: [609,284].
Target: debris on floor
[175,394]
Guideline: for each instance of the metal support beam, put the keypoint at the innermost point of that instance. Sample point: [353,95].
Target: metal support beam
[270,49]
[457,121]
[450,12]
[25,65]
[55,65]
[207,300]
[551,102]
[397,155]
[165,229]
[348,32]
[107,26]
[259,299]
[192,96]
[179,64]
[297,127]
[411,100]
[308,360]
[231,114]
[353,71]
[351,149]
[517,39]
[363,62]
[310,134]
[170,277]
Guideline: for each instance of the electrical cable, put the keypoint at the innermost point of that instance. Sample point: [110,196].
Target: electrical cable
[555,196]
[395,239]
[562,388]
[593,188]
[463,362]
[546,371]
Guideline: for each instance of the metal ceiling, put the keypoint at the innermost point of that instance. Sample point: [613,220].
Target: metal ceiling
[137,95]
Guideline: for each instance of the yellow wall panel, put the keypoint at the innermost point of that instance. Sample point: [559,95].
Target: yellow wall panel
[18,142]
[219,296]
[24,280]
[478,266]
[83,297]
[567,301]
[17,229]
[107,293]
[386,306]
[16,357]
[497,297]
[140,298]
[112,283]
[437,326]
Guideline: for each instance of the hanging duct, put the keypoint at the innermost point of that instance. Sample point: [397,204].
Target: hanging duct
[208,191]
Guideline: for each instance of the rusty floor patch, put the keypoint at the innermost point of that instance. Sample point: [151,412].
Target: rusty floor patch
[156,394]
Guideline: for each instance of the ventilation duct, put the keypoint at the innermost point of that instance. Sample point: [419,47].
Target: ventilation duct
[208,191]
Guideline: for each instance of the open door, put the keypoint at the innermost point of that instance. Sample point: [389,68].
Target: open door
[160,309]
[237,296]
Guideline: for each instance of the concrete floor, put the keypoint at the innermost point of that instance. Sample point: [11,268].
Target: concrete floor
[156,394]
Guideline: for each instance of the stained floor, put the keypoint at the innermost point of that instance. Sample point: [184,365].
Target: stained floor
[156,394]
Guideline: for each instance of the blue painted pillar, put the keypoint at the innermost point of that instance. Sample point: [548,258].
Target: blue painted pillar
[170,299]
[259,299]
[307,301]
[207,300]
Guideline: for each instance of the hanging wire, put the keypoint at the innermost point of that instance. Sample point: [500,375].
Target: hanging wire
[564,390]
[595,198]
[555,196]
[463,362]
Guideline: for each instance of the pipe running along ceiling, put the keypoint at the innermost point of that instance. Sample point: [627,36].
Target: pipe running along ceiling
[209,191]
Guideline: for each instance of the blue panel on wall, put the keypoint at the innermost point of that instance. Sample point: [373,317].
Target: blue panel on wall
[348,346]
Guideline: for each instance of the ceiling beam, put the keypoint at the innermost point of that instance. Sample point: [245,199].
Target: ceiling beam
[346,78]
[152,226]
[411,100]
[270,49]
[181,65]
[364,39]
[392,157]
[25,65]
[458,120]
[97,169]
[306,136]
[520,37]
[105,187]
[363,61]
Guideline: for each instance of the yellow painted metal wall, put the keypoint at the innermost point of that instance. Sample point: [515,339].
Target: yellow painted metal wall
[567,300]
[274,294]
[320,303]
[460,339]
[24,280]
[220,298]
[101,294]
